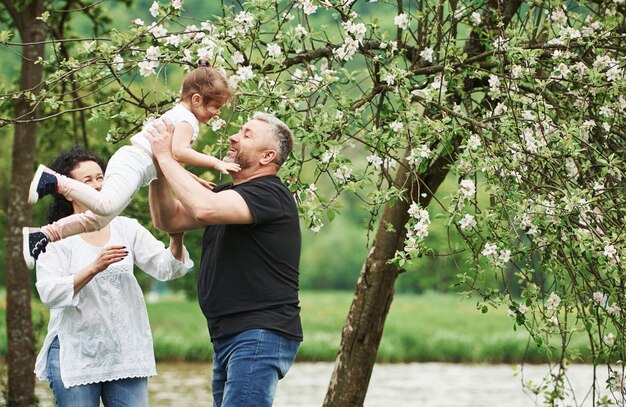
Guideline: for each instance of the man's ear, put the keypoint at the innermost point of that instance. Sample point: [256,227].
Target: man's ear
[267,157]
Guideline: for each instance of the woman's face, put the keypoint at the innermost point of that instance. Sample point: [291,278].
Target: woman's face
[90,173]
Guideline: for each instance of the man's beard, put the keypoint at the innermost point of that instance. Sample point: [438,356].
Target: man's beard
[238,159]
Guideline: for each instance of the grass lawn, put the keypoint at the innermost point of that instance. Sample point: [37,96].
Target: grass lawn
[428,327]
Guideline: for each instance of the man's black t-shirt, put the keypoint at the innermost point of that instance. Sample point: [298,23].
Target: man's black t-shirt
[249,273]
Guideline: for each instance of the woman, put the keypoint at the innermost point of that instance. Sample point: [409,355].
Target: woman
[99,343]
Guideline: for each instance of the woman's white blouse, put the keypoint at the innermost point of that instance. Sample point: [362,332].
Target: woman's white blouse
[103,331]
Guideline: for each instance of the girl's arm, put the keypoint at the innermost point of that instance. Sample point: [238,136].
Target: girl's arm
[183,153]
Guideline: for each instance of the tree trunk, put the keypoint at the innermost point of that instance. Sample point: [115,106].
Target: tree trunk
[20,335]
[363,329]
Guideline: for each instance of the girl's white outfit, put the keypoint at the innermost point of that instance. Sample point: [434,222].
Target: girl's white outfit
[130,168]
[103,330]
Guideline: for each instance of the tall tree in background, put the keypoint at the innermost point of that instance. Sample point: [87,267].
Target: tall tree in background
[521,101]
[20,335]
[39,25]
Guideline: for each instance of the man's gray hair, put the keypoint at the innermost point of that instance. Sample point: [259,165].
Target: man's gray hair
[283,136]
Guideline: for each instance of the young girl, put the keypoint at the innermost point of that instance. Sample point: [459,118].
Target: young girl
[204,92]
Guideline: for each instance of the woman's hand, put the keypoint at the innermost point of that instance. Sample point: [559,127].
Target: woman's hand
[108,256]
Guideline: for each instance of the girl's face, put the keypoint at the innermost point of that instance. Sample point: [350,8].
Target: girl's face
[204,112]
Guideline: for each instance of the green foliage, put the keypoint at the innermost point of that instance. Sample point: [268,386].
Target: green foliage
[521,103]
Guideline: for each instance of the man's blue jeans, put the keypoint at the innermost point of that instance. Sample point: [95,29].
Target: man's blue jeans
[247,367]
[117,393]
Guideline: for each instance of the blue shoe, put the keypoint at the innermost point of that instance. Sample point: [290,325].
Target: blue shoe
[34,242]
[44,183]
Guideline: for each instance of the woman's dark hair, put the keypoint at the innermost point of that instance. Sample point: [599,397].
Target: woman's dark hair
[66,162]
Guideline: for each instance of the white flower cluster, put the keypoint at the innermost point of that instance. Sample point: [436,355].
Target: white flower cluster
[467,189]
[343,174]
[402,21]
[417,228]
[148,66]
[418,155]
[499,258]
[553,302]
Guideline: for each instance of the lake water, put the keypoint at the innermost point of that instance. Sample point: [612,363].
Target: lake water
[397,385]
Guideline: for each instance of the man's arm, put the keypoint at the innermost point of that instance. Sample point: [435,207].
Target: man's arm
[167,213]
[195,204]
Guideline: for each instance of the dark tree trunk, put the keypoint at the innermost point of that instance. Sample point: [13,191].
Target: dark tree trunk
[20,335]
[374,292]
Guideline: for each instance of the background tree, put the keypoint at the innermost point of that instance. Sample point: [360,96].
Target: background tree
[521,102]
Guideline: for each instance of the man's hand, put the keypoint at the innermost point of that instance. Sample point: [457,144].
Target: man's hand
[160,136]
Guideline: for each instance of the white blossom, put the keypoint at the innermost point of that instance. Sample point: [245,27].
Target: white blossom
[553,302]
[500,109]
[427,54]
[173,40]
[343,174]
[138,21]
[375,160]
[147,67]
[475,18]
[614,309]
[501,44]
[329,155]
[158,31]
[597,297]
[237,57]
[389,78]
[468,188]
[397,126]
[402,21]
[118,63]
[490,250]
[467,222]
[609,339]
[558,17]
[358,30]
[217,124]
[347,50]
[522,309]
[308,7]
[245,73]
[177,4]
[505,256]
[301,31]
[420,229]
[154,9]
[494,83]
[273,50]
[614,73]
[610,251]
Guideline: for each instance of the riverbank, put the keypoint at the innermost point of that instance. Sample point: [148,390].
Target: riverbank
[420,328]
[398,385]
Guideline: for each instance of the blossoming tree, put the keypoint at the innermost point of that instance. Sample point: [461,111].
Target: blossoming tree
[520,101]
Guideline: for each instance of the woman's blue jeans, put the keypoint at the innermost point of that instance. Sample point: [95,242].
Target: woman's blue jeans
[116,393]
[247,367]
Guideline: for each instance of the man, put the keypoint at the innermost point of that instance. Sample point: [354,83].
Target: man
[248,282]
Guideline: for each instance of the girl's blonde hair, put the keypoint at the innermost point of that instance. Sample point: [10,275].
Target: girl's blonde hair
[209,83]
